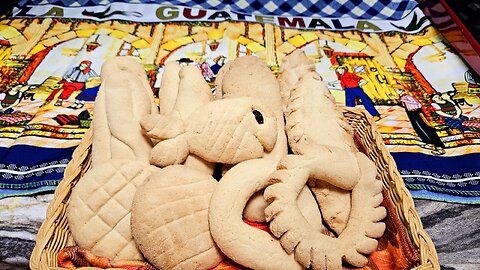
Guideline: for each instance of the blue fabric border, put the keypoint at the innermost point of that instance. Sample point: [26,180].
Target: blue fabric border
[469,163]
[36,155]
[27,170]
[4,193]
[461,175]
[428,195]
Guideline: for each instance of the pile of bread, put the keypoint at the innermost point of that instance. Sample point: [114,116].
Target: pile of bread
[173,186]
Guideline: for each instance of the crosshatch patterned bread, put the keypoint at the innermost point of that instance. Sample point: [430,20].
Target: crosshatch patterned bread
[99,208]
[249,76]
[170,219]
[225,131]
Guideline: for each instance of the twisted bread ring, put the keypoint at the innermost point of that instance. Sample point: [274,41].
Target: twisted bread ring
[248,246]
[311,248]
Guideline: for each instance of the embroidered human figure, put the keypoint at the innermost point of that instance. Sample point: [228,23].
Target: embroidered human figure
[73,80]
[449,112]
[352,85]
[206,71]
[423,128]
[219,62]
[13,97]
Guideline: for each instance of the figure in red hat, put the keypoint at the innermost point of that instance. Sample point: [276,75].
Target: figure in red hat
[73,80]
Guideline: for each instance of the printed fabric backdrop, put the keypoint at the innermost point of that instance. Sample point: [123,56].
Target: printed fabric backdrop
[424,99]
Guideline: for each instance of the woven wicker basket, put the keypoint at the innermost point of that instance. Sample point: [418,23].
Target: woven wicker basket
[54,234]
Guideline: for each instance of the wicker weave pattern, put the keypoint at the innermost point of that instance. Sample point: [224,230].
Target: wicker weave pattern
[54,233]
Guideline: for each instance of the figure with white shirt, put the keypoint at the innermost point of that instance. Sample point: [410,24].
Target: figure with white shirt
[73,80]
[427,133]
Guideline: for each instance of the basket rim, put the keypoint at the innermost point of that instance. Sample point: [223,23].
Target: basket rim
[405,206]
